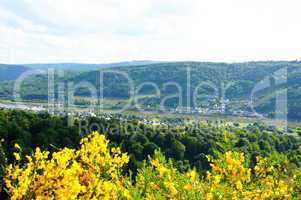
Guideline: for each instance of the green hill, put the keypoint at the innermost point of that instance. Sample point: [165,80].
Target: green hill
[236,80]
[11,72]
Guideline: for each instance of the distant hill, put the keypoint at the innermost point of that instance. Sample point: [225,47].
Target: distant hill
[88,67]
[11,72]
[240,77]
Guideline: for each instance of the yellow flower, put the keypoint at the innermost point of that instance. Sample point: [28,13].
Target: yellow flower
[162,170]
[170,186]
[17,146]
[156,186]
[92,172]
[192,175]
[126,194]
[188,187]
[238,185]
[17,156]
[155,163]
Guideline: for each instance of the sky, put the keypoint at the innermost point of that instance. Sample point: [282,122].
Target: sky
[104,31]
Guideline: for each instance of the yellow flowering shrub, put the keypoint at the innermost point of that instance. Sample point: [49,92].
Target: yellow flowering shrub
[230,179]
[297,185]
[94,172]
[160,180]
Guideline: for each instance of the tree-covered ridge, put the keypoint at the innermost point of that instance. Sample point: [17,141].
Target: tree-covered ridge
[11,72]
[239,79]
[186,143]
[186,146]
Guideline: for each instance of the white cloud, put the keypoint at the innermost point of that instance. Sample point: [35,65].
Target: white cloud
[114,30]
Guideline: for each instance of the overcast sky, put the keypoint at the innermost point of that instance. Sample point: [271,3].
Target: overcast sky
[100,31]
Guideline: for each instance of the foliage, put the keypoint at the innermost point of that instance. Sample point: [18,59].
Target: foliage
[31,130]
[94,172]
[241,78]
[3,163]
[187,145]
[232,179]
[184,146]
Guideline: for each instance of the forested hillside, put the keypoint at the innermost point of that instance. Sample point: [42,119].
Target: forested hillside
[11,72]
[187,144]
[236,80]
[197,150]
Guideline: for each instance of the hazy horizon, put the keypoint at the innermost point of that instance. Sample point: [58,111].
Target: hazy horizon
[155,61]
